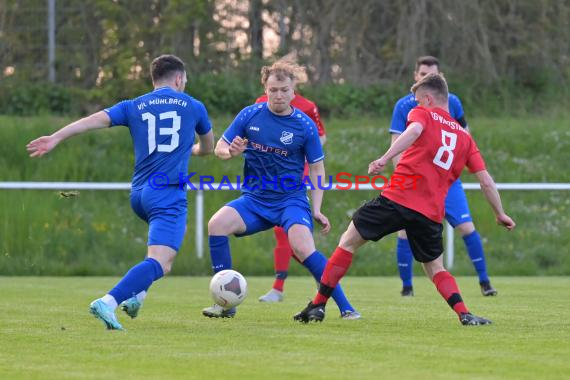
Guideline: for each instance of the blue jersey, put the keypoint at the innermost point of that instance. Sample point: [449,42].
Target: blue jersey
[276,151]
[408,102]
[162,124]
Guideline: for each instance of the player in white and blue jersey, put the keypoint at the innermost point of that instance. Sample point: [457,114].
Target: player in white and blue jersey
[275,140]
[456,207]
[162,124]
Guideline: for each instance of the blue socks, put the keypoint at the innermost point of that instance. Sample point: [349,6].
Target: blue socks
[316,263]
[405,261]
[137,279]
[220,253]
[475,249]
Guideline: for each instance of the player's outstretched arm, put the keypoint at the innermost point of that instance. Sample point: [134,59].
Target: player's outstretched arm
[489,189]
[403,142]
[45,144]
[205,144]
[227,151]
[396,158]
[317,175]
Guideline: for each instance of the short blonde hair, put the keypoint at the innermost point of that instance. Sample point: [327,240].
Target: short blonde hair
[286,67]
[435,83]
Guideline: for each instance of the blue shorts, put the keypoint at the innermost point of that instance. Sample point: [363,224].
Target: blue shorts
[456,207]
[260,215]
[165,212]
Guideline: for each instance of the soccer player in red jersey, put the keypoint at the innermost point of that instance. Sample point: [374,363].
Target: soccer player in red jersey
[436,149]
[283,252]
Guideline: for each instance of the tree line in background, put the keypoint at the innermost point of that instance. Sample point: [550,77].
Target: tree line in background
[359,54]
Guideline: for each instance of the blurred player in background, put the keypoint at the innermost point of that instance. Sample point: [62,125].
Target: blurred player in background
[456,207]
[283,252]
[435,150]
[162,124]
[276,140]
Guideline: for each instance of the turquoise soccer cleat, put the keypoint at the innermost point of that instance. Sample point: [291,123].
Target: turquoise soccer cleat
[100,310]
[131,307]
[217,311]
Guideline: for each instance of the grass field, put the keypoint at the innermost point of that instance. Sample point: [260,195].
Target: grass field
[46,332]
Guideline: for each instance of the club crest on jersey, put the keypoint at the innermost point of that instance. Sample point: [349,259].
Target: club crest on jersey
[286,137]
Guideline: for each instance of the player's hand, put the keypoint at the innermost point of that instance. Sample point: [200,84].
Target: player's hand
[323,221]
[506,221]
[238,146]
[41,146]
[377,166]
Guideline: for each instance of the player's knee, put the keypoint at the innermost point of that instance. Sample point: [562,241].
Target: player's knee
[301,251]
[465,228]
[215,226]
[166,267]
[432,268]
[402,234]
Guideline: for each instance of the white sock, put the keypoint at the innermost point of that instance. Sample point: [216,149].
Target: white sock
[141,296]
[109,301]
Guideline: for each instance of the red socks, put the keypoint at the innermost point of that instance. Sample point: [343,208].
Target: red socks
[282,256]
[336,268]
[447,287]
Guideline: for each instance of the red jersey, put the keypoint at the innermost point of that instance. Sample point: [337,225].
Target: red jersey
[432,163]
[307,107]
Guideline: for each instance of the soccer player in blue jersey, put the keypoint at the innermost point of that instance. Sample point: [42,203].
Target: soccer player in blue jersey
[456,208]
[162,124]
[275,140]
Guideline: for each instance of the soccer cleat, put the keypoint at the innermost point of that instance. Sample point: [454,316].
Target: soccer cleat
[487,289]
[272,296]
[310,313]
[131,307]
[468,319]
[101,311]
[217,311]
[350,315]
[407,291]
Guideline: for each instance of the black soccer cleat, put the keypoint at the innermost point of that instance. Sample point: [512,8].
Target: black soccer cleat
[468,319]
[407,291]
[315,313]
[487,289]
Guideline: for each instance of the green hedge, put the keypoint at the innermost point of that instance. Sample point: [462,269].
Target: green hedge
[228,93]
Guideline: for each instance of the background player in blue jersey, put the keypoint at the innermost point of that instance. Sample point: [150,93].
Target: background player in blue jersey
[456,208]
[275,140]
[162,124]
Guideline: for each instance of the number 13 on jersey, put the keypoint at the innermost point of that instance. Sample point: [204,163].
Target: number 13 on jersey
[172,131]
[446,147]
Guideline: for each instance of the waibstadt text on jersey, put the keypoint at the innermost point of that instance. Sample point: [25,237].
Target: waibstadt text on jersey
[340,181]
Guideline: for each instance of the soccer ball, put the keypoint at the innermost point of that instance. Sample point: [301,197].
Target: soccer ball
[228,288]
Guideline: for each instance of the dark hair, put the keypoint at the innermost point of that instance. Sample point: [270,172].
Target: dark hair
[435,83]
[427,60]
[164,66]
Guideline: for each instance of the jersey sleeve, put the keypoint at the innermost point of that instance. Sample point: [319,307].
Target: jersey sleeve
[475,162]
[119,113]
[203,126]
[418,115]
[399,117]
[456,108]
[313,148]
[315,115]
[237,127]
